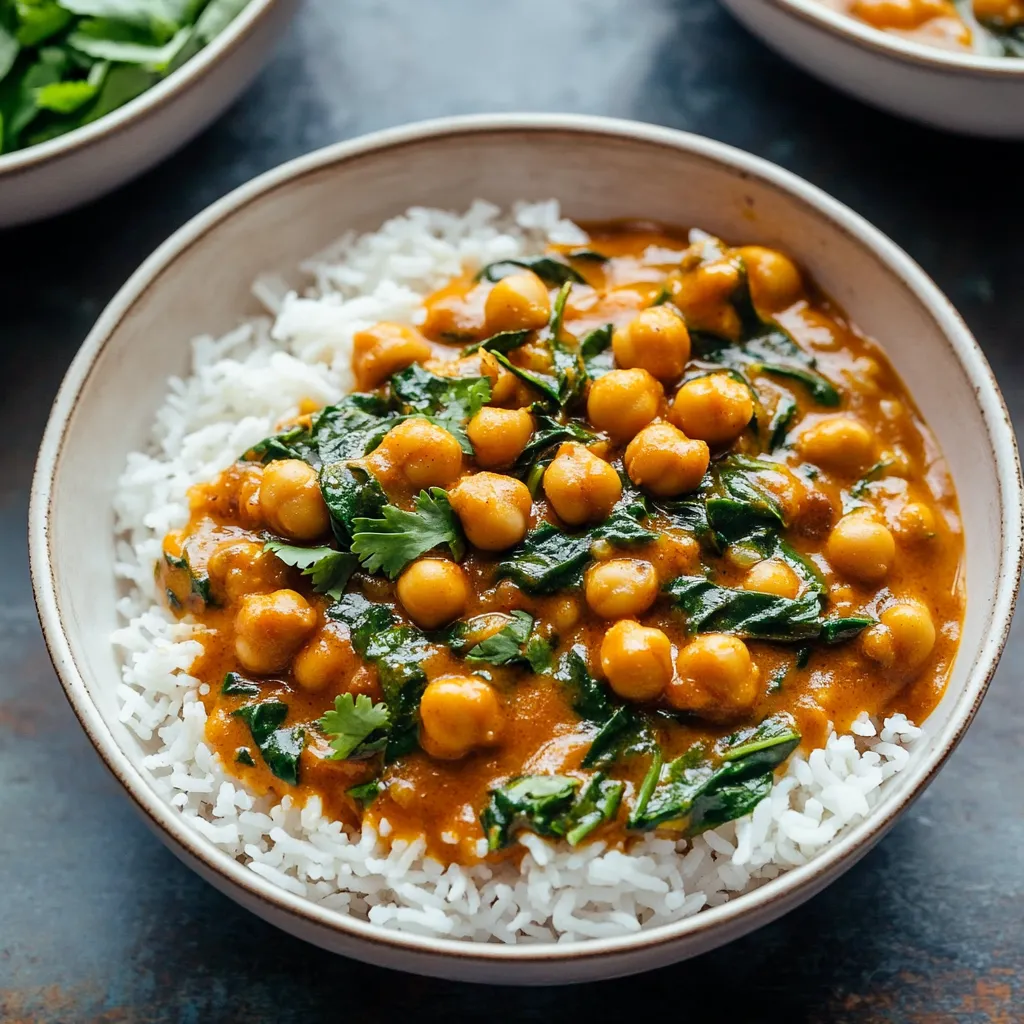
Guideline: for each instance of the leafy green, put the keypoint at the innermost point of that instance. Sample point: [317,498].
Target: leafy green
[780,423]
[705,788]
[549,806]
[547,434]
[350,493]
[551,271]
[366,793]
[236,685]
[876,472]
[549,559]
[199,579]
[710,608]
[508,645]
[393,541]
[280,748]
[590,698]
[503,341]
[244,756]
[447,401]
[397,652]
[356,727]
[330,570]
[66,63]
[625,734]
[596,351]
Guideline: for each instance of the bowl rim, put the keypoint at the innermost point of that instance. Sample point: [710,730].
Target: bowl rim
[794,885]
[851,29]
[148,103]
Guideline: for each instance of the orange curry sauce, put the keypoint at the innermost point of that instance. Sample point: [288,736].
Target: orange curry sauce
[900,481]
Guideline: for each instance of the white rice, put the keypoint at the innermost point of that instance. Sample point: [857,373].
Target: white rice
[240,386]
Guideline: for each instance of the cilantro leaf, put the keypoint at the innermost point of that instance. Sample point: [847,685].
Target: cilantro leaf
[392,542]
[329,570]
[352,722]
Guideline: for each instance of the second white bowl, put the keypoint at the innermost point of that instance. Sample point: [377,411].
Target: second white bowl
[958,91]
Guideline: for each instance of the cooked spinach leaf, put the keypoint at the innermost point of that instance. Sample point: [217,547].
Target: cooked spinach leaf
[596,351]
[590,698]
[350,493]
[356,727]
[366,793]
[548,433]
[280,748]
[548,560]
[626,733]
[512,645]
[398,537]
[838,629]
[450,402]
[549,806]
[780,423]
[551,271]
[236,685]
[398,653]
[244,756]
[199,580]
[503,341]
[708,787]
[876,472]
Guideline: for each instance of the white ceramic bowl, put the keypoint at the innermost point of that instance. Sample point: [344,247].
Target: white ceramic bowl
[958,91]
[74,168]
[198,281]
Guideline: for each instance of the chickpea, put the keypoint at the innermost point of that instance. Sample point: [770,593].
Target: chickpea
[459,713]
[656,341]
[499,436]
[564,613]
[913,633]
[621,587]
[385,348]
[774,279]
[715,408]
[519,302]
[270,629]
[433,592]
[662,459]
[861,548]
[291,501]
[773,576]
[580,486]
[674,555]
[623,402]
[1005,12]
[422,453]
[494,509]
[838,443]
[716,678]
[904,15]
[915,522]
[328,659]
[240,567]
[704,295]
[636,660]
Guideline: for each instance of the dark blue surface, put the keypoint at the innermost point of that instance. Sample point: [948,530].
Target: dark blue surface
[99,923]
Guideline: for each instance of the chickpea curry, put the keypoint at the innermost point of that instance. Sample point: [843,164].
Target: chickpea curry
[993,27]
[592,550]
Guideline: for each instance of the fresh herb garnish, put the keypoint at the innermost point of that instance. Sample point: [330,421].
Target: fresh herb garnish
[280,748]
[328,569]
[357,727]
[390,543]
[366,793]
[236,685]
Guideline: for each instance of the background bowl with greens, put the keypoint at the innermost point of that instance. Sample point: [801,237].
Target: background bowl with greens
[93,92]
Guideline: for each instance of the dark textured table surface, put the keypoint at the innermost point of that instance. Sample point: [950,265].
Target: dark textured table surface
[98,922]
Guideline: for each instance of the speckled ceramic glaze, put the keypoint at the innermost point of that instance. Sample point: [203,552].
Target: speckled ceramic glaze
[198,282]
[958,91]
[74,168]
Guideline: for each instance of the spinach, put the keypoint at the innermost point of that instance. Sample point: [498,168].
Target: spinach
[547,560]
[570,370]
[280,748]
[549,806]
[545,383]
[366,793]
[596,351]
[450,402]
[66,63]
[350,493]
[710,608]
[626,733]
[551,271]
[199,580]
[244,756]
[513,645]
[586,254]
[503,341]
[548,433]
[876,472]
[398,653]
[236,685]
[706,788]
[780,423]
[590,698]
